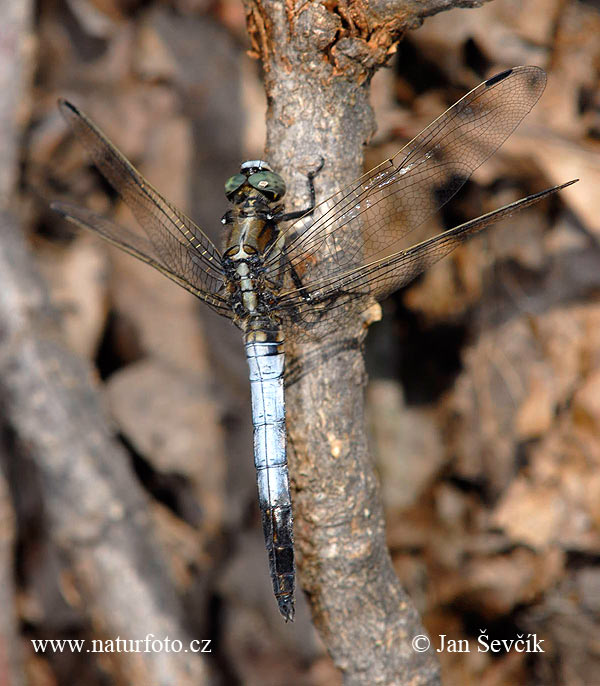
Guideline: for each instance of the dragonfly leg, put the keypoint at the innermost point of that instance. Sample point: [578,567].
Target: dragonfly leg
[311,188]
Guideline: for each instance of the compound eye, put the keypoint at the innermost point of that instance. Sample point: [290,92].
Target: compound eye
[270,184]
[233,184]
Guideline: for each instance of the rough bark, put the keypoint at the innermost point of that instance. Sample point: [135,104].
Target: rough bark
[318,61]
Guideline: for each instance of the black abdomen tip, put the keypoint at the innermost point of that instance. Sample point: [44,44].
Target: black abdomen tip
[286,607]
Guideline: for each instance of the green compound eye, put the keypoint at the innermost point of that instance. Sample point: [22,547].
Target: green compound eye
[269,184]
[233,184]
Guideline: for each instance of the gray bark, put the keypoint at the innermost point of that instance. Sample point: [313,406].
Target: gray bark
[318,61]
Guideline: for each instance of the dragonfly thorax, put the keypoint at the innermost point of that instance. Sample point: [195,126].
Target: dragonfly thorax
[252,234]
[251,224]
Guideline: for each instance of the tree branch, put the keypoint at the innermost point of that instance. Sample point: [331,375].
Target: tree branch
[318,60]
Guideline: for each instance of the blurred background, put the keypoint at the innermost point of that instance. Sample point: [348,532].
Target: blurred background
[484,393]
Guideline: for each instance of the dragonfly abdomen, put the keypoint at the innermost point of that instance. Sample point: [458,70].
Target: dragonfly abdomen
[266,362]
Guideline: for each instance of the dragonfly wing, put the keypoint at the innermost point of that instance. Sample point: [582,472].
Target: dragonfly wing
[167,228]
[352,291]
[183,273]
[366,220]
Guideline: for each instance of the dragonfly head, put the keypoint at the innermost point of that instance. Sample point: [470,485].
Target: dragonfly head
[258,175]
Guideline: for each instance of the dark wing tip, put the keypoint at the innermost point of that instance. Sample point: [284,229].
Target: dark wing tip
[498,77]
[67,107]
[537,76]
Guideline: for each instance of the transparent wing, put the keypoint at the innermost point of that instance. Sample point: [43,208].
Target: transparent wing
[173,235]
[365,221]
[182,255]
[311,313]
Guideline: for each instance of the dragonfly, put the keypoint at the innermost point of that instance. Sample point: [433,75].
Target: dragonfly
[298,275]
